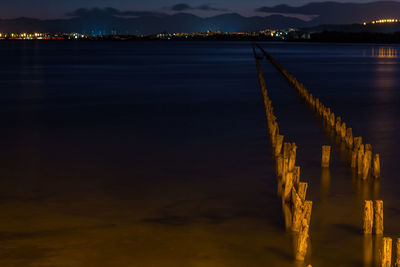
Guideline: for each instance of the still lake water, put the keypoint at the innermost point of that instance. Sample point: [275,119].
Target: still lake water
[157,154]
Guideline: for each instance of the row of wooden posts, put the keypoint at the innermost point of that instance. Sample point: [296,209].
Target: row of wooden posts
[293,191]
[297,209]
[361,156]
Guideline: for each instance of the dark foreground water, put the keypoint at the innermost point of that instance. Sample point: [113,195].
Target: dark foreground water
[156,154]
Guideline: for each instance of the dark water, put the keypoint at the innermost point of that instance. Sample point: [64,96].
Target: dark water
[156,154]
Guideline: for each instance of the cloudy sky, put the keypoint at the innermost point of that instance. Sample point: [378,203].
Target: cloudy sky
[58,9]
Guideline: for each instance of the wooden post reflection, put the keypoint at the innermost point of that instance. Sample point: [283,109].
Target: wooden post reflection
[367,250]
[325,183]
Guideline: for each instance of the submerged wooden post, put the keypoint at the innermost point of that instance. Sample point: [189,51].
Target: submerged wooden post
[338,125]
[357,142]
[349,137]
[279,165]
[326,154]
[366,164]
[278,145]
[296,176]
[360,156]
[303,190]
[368,216]
[343,131]
[288,187]
[297,211]
[376,166]
[378,218]
[386,252]
[292,157]
[302,242]
[353,159]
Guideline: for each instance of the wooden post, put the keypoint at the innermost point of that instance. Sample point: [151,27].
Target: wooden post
[366,164]
[368,216]
[353,159]
[286,149]
[287,213]
[292,157]
[296,176]
[343,131]
[338,125]
[377,167]
[349,137]
[307,211]
[357,142]
[279,165]
[386,252]
[326,154]
[297,211]
[288,187]
[360,156]
[332,120]
[302,242]
[368,147]
[278,146]
[378,220]
[303,190]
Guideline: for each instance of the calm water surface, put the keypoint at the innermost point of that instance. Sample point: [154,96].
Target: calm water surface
[156,154]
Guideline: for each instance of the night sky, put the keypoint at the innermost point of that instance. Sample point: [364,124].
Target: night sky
[58,9]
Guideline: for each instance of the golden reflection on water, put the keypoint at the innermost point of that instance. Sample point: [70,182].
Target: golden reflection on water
[325,183]
[384,52]
[367,250]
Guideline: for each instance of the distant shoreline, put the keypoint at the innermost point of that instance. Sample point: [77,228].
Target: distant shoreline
[319,37]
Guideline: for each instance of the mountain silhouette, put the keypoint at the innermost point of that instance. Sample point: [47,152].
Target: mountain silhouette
[110,20]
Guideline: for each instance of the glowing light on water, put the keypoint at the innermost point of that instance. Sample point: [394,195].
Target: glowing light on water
[385,52]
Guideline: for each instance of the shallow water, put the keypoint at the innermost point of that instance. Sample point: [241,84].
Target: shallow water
[157,154]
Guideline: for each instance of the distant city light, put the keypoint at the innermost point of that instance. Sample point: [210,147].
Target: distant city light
[381,21]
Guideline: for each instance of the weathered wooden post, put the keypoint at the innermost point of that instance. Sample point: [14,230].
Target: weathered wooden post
[338,125]
[287,213]
[296,176]
[292,157]
[297,211]
[278,146]
[349,138]
[343,131]
[288,187]
[368,216]
[353,159]
[326,154]
[378,218]
[360,156]
[279,165]
[398,252]
[357,142]
[366,163]
[377,167]
[302,190]
[386,252]
[302,242]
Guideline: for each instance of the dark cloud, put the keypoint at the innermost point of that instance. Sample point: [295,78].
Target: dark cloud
[184,7]
[110,12]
